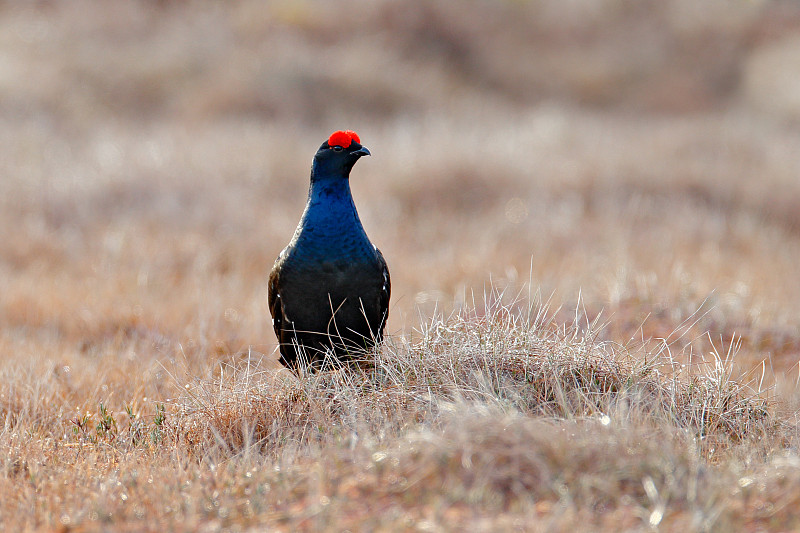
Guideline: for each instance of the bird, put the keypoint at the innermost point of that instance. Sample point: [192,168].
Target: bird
[329,289]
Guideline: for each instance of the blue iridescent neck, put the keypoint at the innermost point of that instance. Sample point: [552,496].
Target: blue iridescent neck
[330,225]
[330,201]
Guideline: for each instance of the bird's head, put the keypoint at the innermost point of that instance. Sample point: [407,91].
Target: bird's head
[339,153]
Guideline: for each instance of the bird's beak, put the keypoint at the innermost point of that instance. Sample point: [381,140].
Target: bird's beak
[361,151]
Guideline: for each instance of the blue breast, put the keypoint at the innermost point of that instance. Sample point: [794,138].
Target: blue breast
[330,230]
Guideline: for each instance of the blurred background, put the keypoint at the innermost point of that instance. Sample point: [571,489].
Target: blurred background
[640,160]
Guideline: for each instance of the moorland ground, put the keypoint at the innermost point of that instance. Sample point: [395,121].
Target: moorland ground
[591,212]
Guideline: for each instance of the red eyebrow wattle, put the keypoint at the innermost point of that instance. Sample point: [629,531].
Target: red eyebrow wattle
[343,138]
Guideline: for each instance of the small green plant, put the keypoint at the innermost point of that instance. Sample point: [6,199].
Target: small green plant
[137,428]
[157,434]
[107,426]
[81,428]
[106,430]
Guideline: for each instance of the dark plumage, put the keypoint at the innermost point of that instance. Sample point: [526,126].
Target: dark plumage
[329,289]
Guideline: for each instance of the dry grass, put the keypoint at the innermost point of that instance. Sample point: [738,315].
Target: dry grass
[499,361]
[637,165]
[485,420]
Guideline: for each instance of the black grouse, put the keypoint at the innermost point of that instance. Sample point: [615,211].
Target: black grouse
[329,289]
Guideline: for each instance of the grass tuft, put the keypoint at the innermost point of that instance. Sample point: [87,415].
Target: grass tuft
[498,359]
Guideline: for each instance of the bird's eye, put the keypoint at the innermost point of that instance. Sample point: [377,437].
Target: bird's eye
[337,148]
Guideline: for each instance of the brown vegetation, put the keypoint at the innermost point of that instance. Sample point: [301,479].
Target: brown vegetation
[590,212]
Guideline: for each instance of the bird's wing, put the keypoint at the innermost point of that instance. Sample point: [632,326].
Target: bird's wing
[288,355]
[386,291]
[274,300]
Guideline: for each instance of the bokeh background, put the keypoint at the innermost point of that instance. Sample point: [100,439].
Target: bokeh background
[634,160]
